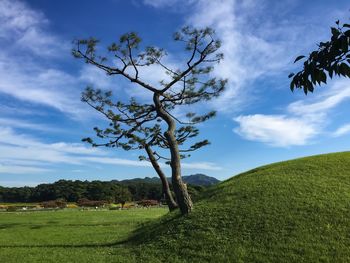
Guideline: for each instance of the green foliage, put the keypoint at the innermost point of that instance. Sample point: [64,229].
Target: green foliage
[84,202]
[331,57]
[148,203]
[70,191]
[59,203]
[73,191]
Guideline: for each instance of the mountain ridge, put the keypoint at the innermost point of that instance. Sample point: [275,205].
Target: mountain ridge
[193,179]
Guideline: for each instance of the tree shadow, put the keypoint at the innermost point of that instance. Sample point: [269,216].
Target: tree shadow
[52,223]
[150,230]
[10,225]
[144,233]
[98,245]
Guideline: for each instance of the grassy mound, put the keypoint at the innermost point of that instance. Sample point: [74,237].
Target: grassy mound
[293,211]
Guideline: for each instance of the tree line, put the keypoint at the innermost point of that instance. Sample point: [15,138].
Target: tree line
[72,191]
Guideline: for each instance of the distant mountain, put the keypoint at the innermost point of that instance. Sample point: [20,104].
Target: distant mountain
[200,179]
[194,179]
[147,180]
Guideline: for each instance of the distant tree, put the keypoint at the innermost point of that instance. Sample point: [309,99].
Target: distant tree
[331,58]
[149,126]
[122,195]
[2,194]
[59,203]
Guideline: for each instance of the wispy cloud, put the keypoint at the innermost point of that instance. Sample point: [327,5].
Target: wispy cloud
[27,60]
[26,28]
[21,149]
[301,123]
[24,124]
[115,161]
[21,153]
[16,17]
[275,130]
[202,166]
[167,3]
[343,130]
[16,169]
[251,46]
[33,83]
[259,40]
[335,94]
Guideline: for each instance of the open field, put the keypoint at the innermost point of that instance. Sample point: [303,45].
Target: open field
[70,235]
[293,211]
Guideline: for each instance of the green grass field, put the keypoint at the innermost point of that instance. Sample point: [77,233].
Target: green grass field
[293,211]
[70,235]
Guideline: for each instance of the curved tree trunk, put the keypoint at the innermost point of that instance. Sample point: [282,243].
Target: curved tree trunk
[166,189]
[182,197]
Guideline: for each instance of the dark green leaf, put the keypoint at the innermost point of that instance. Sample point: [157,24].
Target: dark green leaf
[323,77]
[335,32]
[292,85]
[298,58]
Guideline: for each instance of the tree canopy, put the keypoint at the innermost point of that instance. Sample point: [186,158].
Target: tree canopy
[332,58]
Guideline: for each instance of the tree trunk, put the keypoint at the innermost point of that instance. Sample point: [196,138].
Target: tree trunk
[166,189]
[182,197]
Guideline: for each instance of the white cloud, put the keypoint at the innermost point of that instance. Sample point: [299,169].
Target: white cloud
[249,44]
[166,3]
[116,161]
[16,16]
[16,169]
[26,28]
[202,166]
[18,123]
[21,149]
[275,130]
[344,129]
[259,39]
[160,3]
[96,77]
[41,43]
[246,48]
[119,161]
[27,71]
[33,83]
[335,94]
[302,121]
[19,152]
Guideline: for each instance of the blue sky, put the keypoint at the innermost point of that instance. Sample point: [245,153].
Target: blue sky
[42,119]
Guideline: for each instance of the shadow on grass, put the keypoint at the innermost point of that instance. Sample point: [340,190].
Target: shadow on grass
[145,232]
[66,245]
[53,224]
[150,230]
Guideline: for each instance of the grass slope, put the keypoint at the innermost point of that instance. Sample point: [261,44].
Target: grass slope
[293,211]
